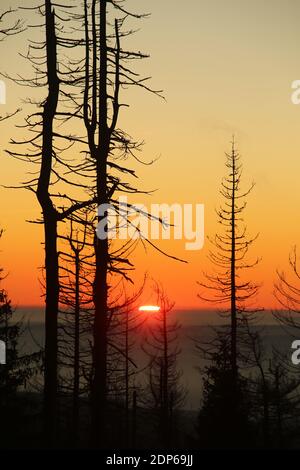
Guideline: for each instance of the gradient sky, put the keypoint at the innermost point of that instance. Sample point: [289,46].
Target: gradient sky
[225,67]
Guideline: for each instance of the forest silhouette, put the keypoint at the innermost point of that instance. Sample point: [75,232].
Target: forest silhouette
[86,387]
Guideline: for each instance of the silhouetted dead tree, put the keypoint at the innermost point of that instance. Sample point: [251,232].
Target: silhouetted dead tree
[46,149]
[50,220]
[228,254]
[227,351]
[84,91]
[259,362]
[287,292]
[101,75]
[164,392]
[75,326]
[123,368]
[76,333]
[122,321]
[112,145]
[284,401]
[132,323]
[275,392]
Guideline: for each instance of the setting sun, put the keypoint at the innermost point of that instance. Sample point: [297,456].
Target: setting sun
[149,308]
[149,236]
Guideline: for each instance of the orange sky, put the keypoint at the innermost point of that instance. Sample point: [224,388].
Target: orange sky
[225,67]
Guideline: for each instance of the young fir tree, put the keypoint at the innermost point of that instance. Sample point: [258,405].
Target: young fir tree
[223,421]
[15,373]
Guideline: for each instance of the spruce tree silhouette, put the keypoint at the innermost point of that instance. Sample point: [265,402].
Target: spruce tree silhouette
[228,349]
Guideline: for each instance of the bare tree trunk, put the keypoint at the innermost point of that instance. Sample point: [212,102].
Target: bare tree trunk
[127,373]
[102,254]
[233,275]
[266,422]
[165,391]
[76,349]
[278,409]
[134,419]
[50,228]
[51,313]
